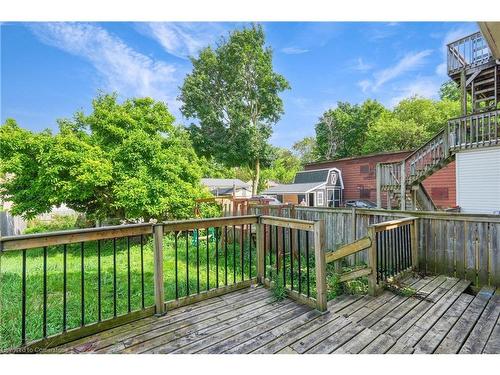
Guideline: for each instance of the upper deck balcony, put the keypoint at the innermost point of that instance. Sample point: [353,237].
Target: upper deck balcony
[468,52]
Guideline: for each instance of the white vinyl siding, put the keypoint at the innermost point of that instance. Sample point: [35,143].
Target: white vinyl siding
[478,181]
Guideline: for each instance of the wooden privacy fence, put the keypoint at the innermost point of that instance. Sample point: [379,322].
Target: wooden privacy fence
[60,286]
[466,246]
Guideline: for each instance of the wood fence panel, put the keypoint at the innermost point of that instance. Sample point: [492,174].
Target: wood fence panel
[470,252]
[495,255]
[460,245]
[483,252]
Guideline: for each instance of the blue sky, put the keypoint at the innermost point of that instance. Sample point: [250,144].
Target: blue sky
[50,70]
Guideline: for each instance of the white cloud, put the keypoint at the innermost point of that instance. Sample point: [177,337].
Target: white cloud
[360,65]
[294,50]
[408,63]
[122,69]
[364,85]
[426,87]
[183,39]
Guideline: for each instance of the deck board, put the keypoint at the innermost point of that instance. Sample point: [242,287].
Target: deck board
[446,320]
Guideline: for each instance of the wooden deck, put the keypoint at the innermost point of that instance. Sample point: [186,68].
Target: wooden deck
[442,319]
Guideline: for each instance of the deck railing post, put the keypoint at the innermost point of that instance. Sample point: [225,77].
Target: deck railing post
[320,265]
[259,233]
[372,262]
[414,243]
[158,270]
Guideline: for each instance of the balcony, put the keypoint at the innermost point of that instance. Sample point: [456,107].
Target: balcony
[467,52]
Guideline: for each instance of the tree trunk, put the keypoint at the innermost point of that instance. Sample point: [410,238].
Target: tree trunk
[256,177]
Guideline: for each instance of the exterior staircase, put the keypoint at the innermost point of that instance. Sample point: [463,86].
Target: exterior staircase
[470,64]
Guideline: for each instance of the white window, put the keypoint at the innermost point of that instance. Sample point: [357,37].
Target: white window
[319,198]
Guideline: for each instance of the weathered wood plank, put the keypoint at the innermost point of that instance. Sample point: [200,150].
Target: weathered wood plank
[435,335]
[460,331]
[348,249]
[481,332]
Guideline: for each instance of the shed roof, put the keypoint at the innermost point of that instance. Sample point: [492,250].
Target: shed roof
[293,188]
[318,175]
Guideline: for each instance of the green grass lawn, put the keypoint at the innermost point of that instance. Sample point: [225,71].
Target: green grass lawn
[11,281]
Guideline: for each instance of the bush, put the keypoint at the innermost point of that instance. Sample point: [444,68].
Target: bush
[58,222]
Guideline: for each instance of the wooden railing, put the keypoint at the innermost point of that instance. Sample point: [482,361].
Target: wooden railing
[470,51]
[291,254]
[60,286]
[474,131]
[392,251]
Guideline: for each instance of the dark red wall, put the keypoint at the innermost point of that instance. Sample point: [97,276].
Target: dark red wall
[358,174]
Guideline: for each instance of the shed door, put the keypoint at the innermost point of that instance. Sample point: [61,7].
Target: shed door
[478,181]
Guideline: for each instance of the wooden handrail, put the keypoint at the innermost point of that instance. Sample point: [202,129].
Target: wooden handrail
[349,249]
[287,222]
[180,225]
[388,225]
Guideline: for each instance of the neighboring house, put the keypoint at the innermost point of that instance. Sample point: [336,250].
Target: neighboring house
[359,177]
[320,188]
[228,186]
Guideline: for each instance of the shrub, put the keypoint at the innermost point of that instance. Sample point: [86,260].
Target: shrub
[58,222]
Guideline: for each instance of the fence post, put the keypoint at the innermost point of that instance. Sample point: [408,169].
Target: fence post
[414,243]
[320,265]
[259,233]
[372,262]
[378,176]
[158,269]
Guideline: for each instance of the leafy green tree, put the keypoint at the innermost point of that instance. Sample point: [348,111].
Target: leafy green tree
[283,168]
[389,133]
[341,132]
[430,114]
[126,161]
[305,150]
[233,93]
[449,91]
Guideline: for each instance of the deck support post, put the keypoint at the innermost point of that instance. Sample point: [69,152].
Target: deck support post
[259,233]
[320,264]
[372,263]
[403,186]
[378,176]
[158,270]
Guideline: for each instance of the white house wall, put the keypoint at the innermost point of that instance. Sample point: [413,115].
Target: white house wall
[478,181]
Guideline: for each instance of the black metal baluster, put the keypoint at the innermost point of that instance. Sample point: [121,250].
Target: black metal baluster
[307,264]
[393,252]
[142,272]
[386,255]
[408,242]
[234,254]
[23,302]
[225,255]
[65,285]
[242,251]
[198,259]
[283,255]
[410,247]
[265,250]
[99,307]
[187,263]
[114,277]
[45,291]
[129,286]
[299,261]
[290,234]
[82,288]
[277,250]
[250,251]
[379,260]
[208,262]
[217,257]
[176,266]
